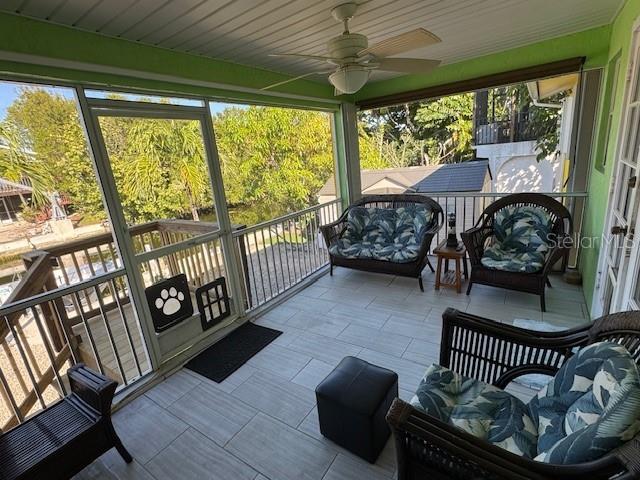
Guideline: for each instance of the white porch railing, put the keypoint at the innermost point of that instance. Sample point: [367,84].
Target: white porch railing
[282,252]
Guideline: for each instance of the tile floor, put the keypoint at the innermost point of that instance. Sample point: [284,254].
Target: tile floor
[261,423]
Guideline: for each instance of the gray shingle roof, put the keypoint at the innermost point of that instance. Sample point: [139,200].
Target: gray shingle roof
[455,177]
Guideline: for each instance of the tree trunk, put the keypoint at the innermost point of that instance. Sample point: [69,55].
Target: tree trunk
[194,213]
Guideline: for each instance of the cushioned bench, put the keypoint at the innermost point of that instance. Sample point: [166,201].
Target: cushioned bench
[385,234]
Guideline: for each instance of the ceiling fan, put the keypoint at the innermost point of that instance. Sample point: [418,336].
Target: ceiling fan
[352,59]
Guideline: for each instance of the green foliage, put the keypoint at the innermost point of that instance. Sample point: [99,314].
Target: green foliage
[446,125]
[543,123]
[430,132]
[159,167]
[274,159]
[56,152]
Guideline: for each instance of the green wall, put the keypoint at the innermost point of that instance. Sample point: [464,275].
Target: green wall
[592,44]
[595,215]
[20,35]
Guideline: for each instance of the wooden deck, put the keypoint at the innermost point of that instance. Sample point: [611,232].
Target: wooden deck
[132,355]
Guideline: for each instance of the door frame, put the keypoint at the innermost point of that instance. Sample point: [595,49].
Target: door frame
[93,108]
[597,306]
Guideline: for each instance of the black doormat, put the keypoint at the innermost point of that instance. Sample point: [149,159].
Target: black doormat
[223,358]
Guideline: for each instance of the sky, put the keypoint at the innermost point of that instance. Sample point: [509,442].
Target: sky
[9,92]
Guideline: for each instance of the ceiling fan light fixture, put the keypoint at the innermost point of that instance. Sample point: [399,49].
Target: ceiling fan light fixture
[350,78]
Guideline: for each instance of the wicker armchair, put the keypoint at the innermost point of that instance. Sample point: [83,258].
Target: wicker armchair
[333,231]
[497,353]
[476,240]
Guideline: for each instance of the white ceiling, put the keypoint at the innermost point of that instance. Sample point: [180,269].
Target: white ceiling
[245,31]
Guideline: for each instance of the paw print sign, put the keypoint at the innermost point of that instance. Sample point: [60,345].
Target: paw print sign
[169,302]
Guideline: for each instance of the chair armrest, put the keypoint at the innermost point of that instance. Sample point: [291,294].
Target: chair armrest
[426,446]
[427,236]
[562,246]
[92,389]
[497,353]
[474,240]
[332,231]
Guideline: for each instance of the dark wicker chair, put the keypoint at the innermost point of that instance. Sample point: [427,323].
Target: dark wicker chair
[333,231]
[61,440]
[497,353]
[475,240]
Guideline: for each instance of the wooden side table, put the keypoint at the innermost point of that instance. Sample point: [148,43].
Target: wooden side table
[447,277]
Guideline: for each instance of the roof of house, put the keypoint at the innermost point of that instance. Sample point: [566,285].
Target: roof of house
[453,177]
[8,188]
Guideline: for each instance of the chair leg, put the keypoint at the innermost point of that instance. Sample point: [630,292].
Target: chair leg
[420,283]
[124,453]
[430,266]
[331,269]
[543,305]
[469,287]
[548,282]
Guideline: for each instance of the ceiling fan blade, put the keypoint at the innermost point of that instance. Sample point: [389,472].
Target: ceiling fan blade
[406,65]
[404,42]
[320,58]
[289,80]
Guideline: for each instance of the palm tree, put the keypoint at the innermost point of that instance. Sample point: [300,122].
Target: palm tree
[19,163]
[163,154]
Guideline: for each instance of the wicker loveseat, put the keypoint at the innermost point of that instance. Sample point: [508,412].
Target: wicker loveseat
[516,242]
[385,234]
[484,350]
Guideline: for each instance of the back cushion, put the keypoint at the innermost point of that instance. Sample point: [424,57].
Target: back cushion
[372,225]
[591,406]
[523,229]
[411,223]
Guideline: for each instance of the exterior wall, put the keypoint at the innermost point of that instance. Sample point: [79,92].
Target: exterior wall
[515,168]
[599,182]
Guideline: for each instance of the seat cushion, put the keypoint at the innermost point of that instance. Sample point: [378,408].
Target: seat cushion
[478,408]
[496,257]
[521,239]
[591,406]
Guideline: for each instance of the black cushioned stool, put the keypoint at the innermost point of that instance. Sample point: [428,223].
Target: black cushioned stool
[352,403]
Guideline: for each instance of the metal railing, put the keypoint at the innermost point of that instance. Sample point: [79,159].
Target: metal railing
[73,305]
[39,344]
[504,130]
[282,252]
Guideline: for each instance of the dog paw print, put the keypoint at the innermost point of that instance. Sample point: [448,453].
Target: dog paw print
[169,301]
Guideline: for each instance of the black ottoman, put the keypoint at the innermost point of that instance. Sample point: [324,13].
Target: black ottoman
[352,403]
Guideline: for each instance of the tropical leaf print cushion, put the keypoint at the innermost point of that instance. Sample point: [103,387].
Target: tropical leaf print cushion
[591,406]
[477,408]
[386,234]
[521,240]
